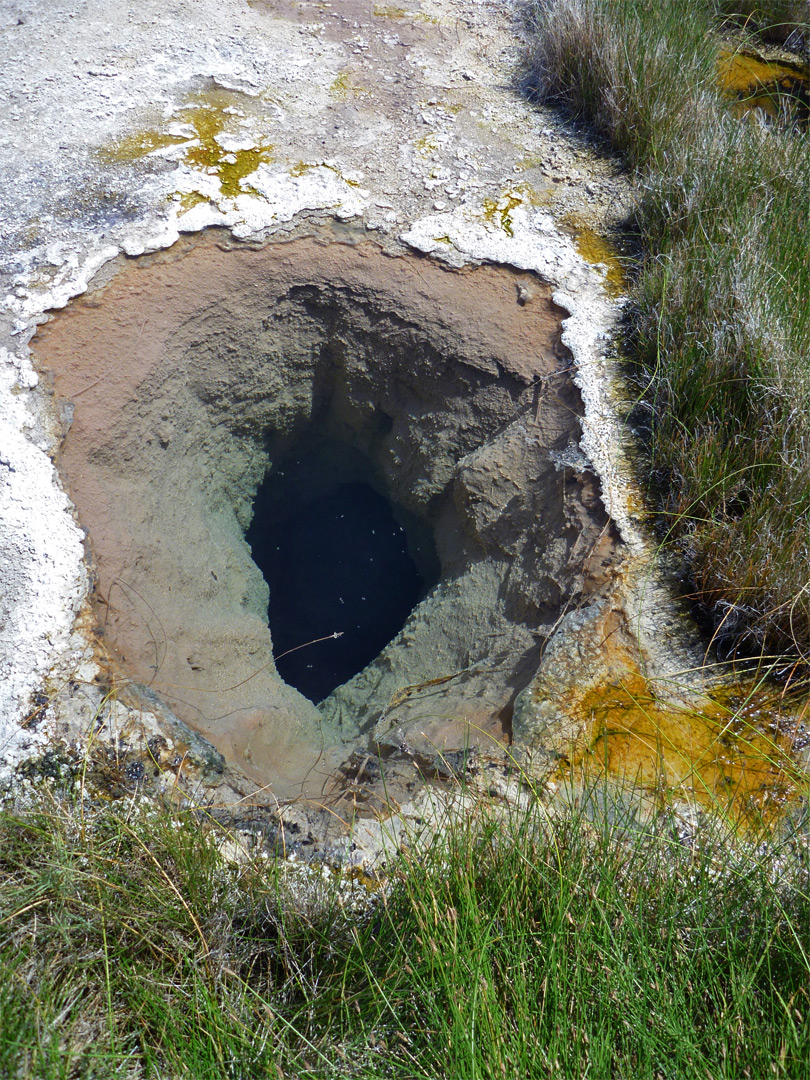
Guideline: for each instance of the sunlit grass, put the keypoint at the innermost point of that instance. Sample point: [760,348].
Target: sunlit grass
[720,331]
[531,944]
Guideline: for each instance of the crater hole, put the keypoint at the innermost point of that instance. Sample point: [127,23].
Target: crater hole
[339,559]
[261,432]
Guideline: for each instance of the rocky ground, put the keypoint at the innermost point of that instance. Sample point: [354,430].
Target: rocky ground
[128,127]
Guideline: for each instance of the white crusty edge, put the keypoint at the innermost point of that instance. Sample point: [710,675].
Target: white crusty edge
[44,581]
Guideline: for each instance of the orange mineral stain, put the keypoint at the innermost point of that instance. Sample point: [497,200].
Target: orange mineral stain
[734,755]
[778,88]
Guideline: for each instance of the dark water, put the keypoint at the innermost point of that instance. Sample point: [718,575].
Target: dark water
[339,563]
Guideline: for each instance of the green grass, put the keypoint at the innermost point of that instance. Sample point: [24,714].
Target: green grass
[530,946]
[775,20]
[720,330]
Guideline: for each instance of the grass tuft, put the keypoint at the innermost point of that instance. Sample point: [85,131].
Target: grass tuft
[720,333]
[520,944]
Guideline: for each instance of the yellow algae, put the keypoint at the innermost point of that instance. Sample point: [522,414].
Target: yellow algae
[302,167]
[453,108]
[369,882]
[528,194]
[531,161]
[777,87]
[341,86]
[232,174]
[426,145]
[189,199]
[599,251]
[210,119]
[499,212]
[734,755]
[542,197]
[384,11]
[344,87]
[207,115]
[596,249]
[139,144]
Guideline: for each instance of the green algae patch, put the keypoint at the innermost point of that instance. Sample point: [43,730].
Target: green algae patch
[778,88]
[208,117]
[734,755]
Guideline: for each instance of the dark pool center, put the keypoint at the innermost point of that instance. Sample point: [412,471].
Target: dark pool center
[344,567]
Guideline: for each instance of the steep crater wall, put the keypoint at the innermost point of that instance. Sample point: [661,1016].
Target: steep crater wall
[192,376]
